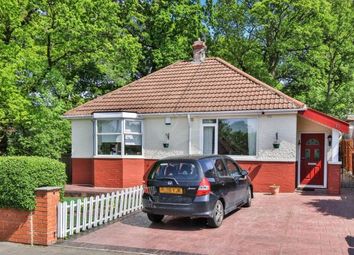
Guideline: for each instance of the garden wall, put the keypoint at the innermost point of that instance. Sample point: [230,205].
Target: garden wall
[32,227]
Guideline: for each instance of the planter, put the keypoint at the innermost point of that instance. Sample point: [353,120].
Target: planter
[276,145]
[166,145]
[274,189]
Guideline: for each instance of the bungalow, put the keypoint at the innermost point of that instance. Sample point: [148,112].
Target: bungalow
[204,106]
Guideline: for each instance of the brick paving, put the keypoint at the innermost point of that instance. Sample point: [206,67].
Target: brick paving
[293,223]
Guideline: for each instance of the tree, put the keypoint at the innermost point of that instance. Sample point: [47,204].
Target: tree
[301,47]
[51,50]
[166,29]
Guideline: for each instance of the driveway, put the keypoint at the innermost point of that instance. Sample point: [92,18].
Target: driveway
[294,223]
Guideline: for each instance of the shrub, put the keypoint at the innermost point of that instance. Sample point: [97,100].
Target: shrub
[20,176]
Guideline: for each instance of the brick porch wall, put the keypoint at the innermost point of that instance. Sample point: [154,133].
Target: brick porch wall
[38,227]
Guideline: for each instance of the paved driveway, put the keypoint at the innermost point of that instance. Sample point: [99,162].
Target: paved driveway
[295,223]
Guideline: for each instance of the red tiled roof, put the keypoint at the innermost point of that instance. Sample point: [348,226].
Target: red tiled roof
[211,86]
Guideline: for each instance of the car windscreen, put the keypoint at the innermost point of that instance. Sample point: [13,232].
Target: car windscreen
[178,170]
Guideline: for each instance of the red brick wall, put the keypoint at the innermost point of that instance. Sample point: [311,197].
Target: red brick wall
[118,173]
[133,172]
[333,171]
[108,173]
[148,163]
[264,174]
[82,171]
[15,225]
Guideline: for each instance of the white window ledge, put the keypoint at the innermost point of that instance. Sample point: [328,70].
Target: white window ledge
[334,162]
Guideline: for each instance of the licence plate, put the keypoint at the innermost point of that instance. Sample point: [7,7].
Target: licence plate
[171,190]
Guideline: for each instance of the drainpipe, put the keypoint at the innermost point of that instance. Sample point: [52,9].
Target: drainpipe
[189,134]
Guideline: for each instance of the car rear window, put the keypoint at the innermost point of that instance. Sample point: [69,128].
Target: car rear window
[177,170]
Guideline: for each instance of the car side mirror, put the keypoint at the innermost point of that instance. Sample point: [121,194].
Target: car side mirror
[244,172]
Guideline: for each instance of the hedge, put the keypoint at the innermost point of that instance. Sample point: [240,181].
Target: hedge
[20,176]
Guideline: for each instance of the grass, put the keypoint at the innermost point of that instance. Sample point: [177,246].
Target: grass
[69,199]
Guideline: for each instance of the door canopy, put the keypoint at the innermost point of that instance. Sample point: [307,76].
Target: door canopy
[325,120]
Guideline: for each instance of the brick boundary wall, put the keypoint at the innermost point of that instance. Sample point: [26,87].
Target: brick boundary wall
[32,227]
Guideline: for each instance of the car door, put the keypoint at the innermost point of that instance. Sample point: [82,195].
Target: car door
[225,183]
[240,183]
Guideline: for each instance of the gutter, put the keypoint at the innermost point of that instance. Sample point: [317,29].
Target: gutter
[246,112]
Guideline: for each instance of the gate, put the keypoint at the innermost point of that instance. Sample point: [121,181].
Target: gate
[347,151]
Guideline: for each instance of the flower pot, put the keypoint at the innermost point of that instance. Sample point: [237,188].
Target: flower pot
[274,189]
[166,145]
[276,145]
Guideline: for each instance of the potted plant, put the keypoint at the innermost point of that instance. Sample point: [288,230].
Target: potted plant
[276,143]
[274,189]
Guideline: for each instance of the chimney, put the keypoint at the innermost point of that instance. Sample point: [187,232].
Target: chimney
[199,49]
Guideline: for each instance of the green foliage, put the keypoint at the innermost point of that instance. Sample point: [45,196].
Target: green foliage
[304,48]
[166,29]
[20,176]
[56,55]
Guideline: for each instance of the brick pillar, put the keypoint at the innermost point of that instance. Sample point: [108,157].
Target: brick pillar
[45,215]
[32,227]
[333,178]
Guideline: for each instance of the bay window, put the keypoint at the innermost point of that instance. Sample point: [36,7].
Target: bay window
[132,137]
[118,137]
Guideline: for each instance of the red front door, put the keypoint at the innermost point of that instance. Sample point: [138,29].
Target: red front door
[312,159]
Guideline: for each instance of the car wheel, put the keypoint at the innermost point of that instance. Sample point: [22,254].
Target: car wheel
[156,218]
[249,197]
[218,215]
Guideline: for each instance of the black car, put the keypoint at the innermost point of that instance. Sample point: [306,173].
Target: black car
[196,186]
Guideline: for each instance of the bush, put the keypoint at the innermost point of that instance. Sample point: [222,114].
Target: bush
[20,176]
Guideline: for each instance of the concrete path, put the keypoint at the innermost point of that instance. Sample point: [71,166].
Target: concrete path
[20,249]
[294,223]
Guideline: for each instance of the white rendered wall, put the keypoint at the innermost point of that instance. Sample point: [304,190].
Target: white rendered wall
[285,125]
[82,138]
[155,132]
[268,126]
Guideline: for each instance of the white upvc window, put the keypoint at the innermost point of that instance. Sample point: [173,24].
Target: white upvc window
[133,138]
[118,137]
[230,136]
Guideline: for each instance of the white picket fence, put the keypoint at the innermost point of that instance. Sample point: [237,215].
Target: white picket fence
[90,212]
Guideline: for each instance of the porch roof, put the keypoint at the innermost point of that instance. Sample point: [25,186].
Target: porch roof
[325,120]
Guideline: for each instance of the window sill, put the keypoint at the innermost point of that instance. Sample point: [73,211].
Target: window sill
[245,158]
[119,156]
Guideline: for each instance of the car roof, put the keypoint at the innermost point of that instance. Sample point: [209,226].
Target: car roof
[191,157]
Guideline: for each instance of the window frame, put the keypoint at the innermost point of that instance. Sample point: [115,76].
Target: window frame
[216,147]
[122,133]
[132,133]
[216,135]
